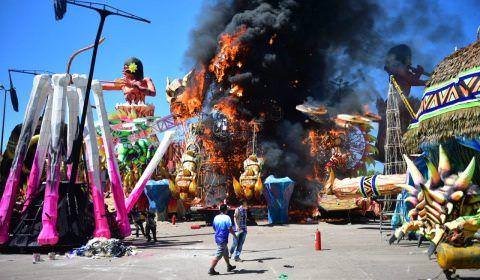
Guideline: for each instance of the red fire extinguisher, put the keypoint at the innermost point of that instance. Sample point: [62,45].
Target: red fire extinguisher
[174,219]
[318,240]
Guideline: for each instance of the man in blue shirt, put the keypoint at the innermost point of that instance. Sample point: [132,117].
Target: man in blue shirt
[222,224]
[240,218]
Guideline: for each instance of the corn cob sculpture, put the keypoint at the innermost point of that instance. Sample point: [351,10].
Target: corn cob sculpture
[185,184]
[250,183]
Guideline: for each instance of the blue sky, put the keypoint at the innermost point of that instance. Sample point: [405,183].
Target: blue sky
[32,39]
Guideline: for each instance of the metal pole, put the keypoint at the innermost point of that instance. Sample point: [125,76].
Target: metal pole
[103,12]
[79,140]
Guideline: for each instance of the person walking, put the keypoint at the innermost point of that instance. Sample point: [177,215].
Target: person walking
[136,216]
[222,224]
[240,218]
[151,227]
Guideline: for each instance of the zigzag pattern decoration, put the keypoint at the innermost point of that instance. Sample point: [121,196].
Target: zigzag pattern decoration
[465,89]
[368,187]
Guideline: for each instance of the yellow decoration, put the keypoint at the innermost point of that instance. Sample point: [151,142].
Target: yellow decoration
[449,257]
[132,67]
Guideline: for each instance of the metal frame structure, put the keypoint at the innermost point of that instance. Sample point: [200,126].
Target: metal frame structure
[394,149]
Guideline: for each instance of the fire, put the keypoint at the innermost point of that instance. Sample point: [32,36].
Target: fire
[272,39]
[223,161]
[227,106]
[322,140]
[210,148]
[190,102]
[224,144]
[325,149]
[312,140]
[228,158]
[369,114]
[230,48]
[236,90]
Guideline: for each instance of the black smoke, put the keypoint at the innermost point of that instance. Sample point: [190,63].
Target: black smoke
[300,49]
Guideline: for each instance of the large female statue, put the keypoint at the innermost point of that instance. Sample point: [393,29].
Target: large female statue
[134,86]
[135,140]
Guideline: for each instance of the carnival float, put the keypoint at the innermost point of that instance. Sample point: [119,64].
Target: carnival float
[344,145]
[444,193]
[59,97]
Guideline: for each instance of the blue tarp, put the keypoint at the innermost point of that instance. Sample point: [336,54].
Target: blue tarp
[401,210]
[277,192]
[472,143]
[158,195]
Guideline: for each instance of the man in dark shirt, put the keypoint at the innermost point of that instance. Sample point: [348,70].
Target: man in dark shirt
[240,218]
[222,224]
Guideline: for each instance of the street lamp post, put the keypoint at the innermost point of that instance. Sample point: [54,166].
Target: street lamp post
[3,115]
[13,94]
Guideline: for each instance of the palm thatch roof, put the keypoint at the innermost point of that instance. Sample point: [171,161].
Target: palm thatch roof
[447,109]
[459,61]
[465,122]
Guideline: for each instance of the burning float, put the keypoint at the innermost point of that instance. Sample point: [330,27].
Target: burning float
[229,92]
[345,148]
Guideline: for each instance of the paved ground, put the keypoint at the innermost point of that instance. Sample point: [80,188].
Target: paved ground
[349,252]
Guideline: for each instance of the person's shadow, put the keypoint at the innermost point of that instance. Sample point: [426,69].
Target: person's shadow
[260,260]
[248,271]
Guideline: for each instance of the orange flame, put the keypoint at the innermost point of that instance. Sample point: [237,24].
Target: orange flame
[227,61]
[322,140]
[236,90]
[228,107]
[272,39]
[230,48]
[190,102]
[216,158]
[312,140]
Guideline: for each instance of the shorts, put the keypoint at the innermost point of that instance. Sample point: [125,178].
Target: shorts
[222,251]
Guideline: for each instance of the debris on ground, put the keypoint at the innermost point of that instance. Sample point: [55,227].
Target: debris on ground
[283,276]
[103,247]
[53,256]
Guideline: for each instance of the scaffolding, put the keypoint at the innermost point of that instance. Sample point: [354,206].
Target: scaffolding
[394,149]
